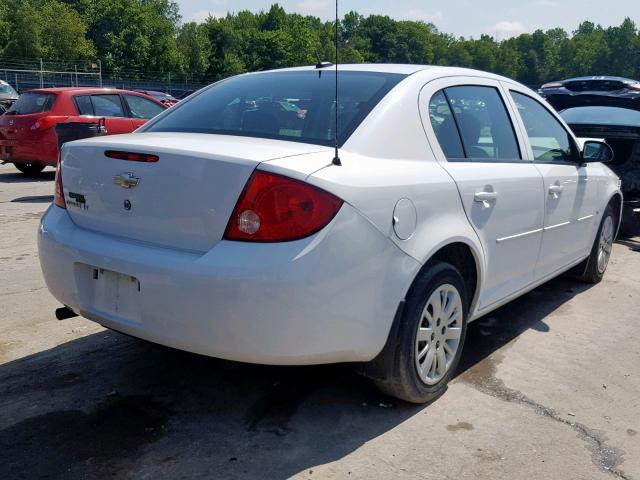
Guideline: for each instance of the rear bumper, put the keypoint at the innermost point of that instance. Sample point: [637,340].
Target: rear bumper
[325,299]
[16,151]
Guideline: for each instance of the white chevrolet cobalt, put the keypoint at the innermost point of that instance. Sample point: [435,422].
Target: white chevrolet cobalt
[226,226]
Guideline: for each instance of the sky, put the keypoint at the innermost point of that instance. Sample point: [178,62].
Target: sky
[468,18]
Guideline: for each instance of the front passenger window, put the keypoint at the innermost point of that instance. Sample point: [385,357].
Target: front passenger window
[549,139]
[107,105]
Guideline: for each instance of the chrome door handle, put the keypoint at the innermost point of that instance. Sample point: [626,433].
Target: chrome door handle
[555,190]
[485,196]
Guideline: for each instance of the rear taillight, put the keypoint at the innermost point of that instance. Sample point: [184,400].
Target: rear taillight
[58,198]
[45,123]
[273,208]
[132,156]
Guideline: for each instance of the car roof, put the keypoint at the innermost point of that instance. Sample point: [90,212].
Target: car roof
[80,90]
[433,71]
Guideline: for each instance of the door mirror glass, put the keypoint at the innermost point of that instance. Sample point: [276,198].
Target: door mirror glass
[594,151]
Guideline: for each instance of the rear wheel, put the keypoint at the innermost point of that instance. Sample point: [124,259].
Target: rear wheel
[431,336]
[31,169]
[598,260]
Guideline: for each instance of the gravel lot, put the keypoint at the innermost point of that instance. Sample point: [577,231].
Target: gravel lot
[549,387]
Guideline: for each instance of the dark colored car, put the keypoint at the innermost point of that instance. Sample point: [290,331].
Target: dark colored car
[165,98]
[600,91]
[27,130]
[607,108]
[8,96]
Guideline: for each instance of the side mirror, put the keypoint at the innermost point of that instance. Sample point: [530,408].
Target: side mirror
[595,151]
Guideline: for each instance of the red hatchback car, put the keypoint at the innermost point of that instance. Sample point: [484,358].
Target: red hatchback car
[27,133]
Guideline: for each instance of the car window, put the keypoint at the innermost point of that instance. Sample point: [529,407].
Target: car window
[83,102]
[550,141]
[484,124]
[107,105]
[33,103]
[141,107]
[444,125]
[602,116]
[294,106]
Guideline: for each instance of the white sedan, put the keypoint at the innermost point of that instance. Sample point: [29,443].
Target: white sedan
[226,227]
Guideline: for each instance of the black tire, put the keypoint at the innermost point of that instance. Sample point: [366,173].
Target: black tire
[30,169]
[590,272]
[403,380]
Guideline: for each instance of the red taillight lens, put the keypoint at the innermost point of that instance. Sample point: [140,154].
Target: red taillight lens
[273,208]
[58,198]
[44,123]
[132,156]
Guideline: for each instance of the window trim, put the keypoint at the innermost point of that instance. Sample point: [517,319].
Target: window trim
[570,136]
[467,159]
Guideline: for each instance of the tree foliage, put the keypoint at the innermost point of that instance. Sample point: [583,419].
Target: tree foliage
[148,36]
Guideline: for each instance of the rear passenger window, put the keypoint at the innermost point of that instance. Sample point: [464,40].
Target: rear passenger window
[83,102]
[444,125]
[107,106]
[474,119]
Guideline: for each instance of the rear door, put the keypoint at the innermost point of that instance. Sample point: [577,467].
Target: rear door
[501,191]
[571,188]
[141,109]
[107,105]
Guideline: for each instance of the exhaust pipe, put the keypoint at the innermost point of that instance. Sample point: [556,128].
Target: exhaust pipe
[65,312]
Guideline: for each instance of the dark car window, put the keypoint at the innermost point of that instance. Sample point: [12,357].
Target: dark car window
[107,106]
[444,125]
[549,139]
[83,102]
[33,103]
[295,106]
[478,116]
[141,107]
[484,123]
[602,116]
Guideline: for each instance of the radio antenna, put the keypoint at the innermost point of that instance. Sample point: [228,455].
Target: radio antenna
[336,158]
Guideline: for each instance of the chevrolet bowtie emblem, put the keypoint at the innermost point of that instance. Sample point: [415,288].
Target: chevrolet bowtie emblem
[126,180]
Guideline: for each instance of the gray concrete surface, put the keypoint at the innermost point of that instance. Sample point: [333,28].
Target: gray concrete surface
[549,387]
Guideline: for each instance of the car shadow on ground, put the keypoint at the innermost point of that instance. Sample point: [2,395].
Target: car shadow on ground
[13,176]
[106,405]
[632,243]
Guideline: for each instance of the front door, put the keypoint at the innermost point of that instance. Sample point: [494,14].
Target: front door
[570,191]
[501,192]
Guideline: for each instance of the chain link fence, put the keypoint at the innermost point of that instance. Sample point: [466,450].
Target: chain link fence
[25,74]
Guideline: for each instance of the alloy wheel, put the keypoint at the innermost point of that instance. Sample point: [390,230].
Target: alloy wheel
[438,336]
[606,244]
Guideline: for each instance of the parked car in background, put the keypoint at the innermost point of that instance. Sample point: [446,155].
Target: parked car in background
[228,226]
[8,96]
[162,97]
[607,108]
[27,133]
[579,91]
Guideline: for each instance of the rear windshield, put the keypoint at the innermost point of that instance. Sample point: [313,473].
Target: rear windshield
[294,106]
[32,103]
[602,116]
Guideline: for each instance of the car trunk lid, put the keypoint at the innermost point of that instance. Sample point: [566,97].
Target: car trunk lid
[183,200]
